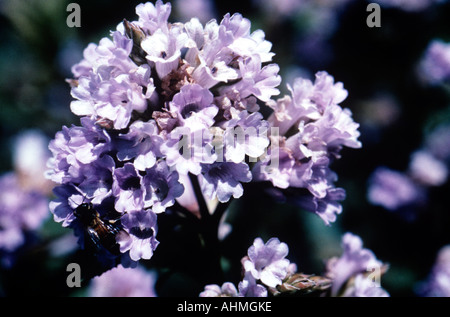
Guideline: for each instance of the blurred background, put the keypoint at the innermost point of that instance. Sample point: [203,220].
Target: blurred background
[397,103]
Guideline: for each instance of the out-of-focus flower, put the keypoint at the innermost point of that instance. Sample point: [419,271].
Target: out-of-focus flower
[437,142]
[426,169]
[30,155]
[21,211]
[363,286]
[318,129]
[203,10]
[123,282]
[438,283]
[354,261]
[435,64]
[394,190]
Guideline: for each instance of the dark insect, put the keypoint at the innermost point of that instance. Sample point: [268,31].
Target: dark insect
[101,232]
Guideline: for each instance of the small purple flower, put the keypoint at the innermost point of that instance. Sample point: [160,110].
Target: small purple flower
[245,134]
[276,167]
[226,290]
[164,49]
[194,106]
[223,180]
[354,260]
[113,99]
[141,240]
[142,143]
[128,188]
[266,262]
[114,54]
[153,16]
[75,151]
[393,190]
[327,208]
[68,198]
[162,187]
[123,282]
[364,287]
[249,287]
[186,149]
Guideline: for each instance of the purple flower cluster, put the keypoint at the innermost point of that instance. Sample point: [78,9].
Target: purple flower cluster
[167,108]
[313,129]
[264,266]
[356,273]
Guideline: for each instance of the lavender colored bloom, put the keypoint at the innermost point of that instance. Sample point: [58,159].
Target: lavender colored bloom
[438,282]
[249,287]
[123,282]
[153,16]
[256,81]
[226,290]
[266,262]
[353,261]
[161,100]
[161,187]
[426,169]
[164,49]
[68,199]
[435,65]
[223,180]
[245,134]
[276,167]
[76,150]
[142,143]
[112,99]
[114,54]
[128,188]
[393,190]
[194,107]
[21,211]
[187,149]
[141,240]
[364,287]
[327,208]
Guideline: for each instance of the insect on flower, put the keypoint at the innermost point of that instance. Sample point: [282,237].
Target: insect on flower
[102,232]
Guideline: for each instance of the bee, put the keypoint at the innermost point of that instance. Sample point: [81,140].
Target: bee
[102,232]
